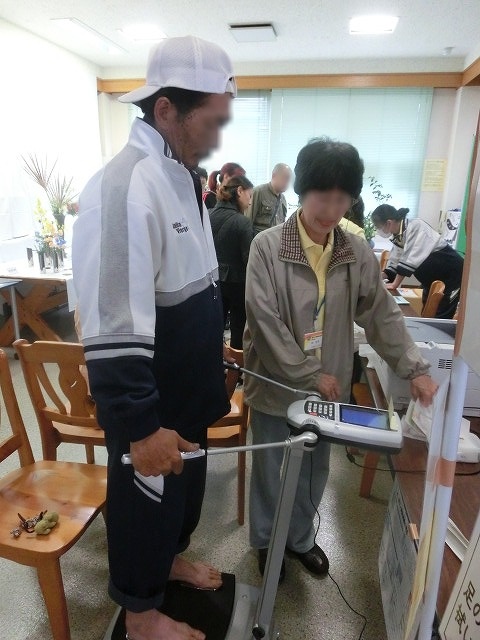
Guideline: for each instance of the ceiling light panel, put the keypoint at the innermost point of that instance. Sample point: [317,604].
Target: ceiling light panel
[142,33]
[373,25]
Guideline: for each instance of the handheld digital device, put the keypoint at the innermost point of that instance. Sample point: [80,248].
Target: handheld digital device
[348,423]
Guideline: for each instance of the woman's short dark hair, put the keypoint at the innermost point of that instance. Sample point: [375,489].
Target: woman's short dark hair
[184,100]
[386,212]
[202,172]
[324,164]
[228,192]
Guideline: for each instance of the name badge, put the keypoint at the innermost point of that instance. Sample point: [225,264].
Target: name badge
[312,340]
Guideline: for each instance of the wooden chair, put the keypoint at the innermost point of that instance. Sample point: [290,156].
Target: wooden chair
[75,491]
[231,430]
[384,256]
[435,296]
[68,419]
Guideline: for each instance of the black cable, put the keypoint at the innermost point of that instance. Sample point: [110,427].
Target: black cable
[360,615]
[351,458]
[357,613]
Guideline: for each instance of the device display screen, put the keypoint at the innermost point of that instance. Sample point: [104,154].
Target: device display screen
[364,417]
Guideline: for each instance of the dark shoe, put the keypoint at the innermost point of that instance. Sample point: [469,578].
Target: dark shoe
[262,561]
[314,560]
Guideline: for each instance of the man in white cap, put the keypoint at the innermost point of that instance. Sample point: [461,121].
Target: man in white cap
[145,274]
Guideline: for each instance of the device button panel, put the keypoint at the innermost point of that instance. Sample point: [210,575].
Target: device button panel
[320,409]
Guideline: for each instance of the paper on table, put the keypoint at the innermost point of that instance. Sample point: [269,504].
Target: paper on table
[422,417]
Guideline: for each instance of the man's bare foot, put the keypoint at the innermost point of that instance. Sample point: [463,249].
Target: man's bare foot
[153,625]
[196,574]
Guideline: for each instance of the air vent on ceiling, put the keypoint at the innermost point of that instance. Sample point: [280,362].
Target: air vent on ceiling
[262,32]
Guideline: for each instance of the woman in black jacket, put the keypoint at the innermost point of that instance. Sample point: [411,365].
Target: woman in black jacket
[232,235]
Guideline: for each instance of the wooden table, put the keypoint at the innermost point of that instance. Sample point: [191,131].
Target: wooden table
[410,310]
[464,507]
[372,458]
[465,503]
[7,289]
[46,291]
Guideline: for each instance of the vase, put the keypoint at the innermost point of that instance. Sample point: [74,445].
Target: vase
[48,257]
[55,260]
[60,257]
[41,261]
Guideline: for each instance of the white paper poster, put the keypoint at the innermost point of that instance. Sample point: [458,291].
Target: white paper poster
[396,563]
[462,615]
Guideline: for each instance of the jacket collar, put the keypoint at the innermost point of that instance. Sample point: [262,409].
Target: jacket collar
[223,205]
[291,247]
[147,138]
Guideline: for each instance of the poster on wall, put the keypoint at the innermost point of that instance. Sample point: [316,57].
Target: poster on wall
[433,177]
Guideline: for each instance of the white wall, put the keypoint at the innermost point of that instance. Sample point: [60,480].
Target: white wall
[464,124]
[114,124]
[48,107]
[438,144]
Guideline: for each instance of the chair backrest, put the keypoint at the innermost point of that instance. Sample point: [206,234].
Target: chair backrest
[233,376]
[435,296]
[76,407]
[18,439]
[384,256]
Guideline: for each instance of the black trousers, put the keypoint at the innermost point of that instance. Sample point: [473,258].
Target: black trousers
[233,298]
[145,535]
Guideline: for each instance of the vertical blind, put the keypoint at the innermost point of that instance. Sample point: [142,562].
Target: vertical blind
[389,127]
[246,139]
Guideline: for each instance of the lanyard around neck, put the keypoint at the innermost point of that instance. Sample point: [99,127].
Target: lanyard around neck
[318,308]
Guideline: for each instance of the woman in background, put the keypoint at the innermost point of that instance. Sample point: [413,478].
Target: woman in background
[418,250]
[232,235]
[217,178]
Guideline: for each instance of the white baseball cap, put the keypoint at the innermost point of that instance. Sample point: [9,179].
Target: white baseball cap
[186,63]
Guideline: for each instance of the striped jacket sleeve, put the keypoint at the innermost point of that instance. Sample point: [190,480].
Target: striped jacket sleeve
[114,249]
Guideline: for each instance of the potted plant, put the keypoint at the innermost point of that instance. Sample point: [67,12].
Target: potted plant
[369,227]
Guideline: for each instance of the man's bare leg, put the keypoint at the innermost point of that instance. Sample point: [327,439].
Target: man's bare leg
[197,574]
[153,625]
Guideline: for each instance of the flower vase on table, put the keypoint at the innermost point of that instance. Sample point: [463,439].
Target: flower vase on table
[41,261]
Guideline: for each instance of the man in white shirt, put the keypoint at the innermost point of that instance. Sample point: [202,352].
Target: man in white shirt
[146,276]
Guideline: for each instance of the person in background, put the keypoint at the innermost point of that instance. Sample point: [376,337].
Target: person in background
[269,206]
[351,227]
[217,178]
[145,276]
[203,175]
[307,283]
[232,235]
[418,250]
[356,213]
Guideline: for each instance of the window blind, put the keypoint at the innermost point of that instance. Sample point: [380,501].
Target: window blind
[389,127]
[246,139]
